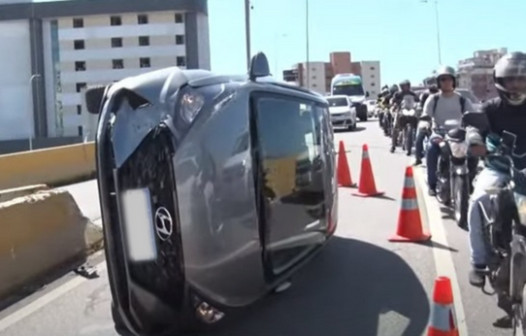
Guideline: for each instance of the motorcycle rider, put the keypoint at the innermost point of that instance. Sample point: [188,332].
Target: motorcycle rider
[440,107]
[420,134]
[396,103]
[383,99]
[507,112]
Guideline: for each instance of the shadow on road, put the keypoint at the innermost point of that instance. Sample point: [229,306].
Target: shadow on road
[357,129]
[345,291]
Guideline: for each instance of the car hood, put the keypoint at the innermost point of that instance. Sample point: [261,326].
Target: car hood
[357,99]
[338,109]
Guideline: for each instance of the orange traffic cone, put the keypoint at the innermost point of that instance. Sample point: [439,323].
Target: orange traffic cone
[409,221]
[443,320]
[344,172]
[367,186]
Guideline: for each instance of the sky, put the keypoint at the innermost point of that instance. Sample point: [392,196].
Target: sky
[401,34]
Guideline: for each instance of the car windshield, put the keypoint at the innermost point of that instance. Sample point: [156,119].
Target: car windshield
[337,101]
[468,95]
[348,90]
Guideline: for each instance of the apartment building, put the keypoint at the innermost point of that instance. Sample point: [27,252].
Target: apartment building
[476,73]
[320,74]
[59,48]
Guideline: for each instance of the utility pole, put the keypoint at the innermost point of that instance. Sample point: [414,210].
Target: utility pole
[247,30]
[307,65]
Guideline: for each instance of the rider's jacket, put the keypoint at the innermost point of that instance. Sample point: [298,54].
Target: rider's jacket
[399,97]
[423,98]
[502,117]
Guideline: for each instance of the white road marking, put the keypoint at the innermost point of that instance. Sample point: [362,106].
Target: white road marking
[443,259]
[46,299]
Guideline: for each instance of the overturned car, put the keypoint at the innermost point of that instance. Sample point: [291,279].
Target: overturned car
[214,190]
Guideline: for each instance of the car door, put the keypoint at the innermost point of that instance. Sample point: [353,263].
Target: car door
[289,138]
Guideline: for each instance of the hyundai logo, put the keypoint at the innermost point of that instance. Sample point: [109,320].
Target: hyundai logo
[163,223]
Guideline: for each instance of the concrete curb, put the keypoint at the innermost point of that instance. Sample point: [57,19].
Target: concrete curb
[39,233]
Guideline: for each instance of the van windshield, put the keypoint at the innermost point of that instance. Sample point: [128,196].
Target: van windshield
[348,90]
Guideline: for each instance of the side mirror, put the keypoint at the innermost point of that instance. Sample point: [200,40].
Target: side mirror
[367,94]
[94,96]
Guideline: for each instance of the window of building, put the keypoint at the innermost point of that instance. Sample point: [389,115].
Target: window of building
[313,77]
[115,21]
[372,76]
[142,19]
[373,84]
[80,66]
[78,23]
[79,109]
[116,42]
[372,68]
[117,64]
[179,39]
[179,18]
[144,62]
[78,44]
[80,86]
[80,130]
[181,61]
[144,41]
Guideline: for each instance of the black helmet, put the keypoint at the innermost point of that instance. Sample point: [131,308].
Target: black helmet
[446,71]
[405,82]
[512,65]
[433,89]
[394,88]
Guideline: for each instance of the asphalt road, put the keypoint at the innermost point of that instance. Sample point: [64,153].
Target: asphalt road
[361,284]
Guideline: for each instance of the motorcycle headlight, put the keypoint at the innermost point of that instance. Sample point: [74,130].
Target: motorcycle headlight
[459,149]
[520,202]
[191,104]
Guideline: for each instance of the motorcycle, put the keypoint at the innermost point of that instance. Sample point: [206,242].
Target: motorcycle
[505,232]
[453,179]
[410,122]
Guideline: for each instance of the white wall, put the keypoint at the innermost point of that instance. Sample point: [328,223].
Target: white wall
[372,81]
[317,76]
[16,102]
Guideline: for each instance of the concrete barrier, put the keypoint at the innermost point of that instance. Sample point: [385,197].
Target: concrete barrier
[53,166]
[9,194]
[38,234]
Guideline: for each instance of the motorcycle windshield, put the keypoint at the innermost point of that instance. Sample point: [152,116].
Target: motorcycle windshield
[408,103]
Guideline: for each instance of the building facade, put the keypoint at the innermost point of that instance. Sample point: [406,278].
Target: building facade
[476,73]
[370,72]
[59,48]
[320,74]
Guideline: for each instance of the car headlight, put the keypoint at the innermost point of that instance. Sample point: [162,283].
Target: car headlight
[459,149]
[191,104]
[520,202]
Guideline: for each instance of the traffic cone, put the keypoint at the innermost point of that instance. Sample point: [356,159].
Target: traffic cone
[344,172]
[409,221]
[367,186]
[443,320]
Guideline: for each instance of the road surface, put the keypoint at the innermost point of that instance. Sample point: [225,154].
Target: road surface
[360,285]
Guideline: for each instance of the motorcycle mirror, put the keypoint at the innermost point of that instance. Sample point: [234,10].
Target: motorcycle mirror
[476,119]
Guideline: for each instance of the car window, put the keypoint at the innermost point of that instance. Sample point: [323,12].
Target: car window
[288,129]
[337,102]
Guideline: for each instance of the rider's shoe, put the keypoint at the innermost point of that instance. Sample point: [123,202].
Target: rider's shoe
[432,191]
[476,276]
[505,322]
[417,162]
[392,149]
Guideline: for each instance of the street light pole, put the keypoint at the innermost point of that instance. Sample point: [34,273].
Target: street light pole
[247,30]
[437,22]
[307,70]
[31,115]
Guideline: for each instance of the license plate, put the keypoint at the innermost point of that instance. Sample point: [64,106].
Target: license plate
[138,225]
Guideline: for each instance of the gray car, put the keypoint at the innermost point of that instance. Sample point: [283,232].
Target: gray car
[214,190]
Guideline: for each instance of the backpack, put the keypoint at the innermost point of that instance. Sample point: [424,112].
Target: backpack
[436,97]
